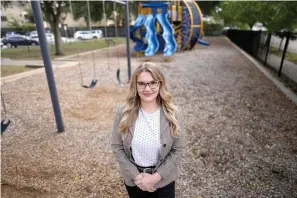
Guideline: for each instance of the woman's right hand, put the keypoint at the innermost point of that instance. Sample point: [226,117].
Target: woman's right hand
[146,183]
[138,177]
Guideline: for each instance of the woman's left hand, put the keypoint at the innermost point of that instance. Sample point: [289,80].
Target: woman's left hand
[147,182]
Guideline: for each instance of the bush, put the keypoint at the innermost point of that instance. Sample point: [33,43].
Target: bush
[27,27]
[212,29]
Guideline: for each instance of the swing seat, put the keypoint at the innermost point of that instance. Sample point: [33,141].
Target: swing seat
[92,85]
[119,79]
[4,124]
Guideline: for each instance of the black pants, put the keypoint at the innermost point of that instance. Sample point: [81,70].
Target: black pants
[165,192]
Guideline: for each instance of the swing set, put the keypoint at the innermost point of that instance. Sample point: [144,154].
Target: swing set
[109,42]
[5,121]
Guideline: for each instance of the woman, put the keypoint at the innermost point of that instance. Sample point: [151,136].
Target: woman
[148,139]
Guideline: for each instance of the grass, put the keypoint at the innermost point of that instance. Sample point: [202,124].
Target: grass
[10,70]
[69,49]
[289,55]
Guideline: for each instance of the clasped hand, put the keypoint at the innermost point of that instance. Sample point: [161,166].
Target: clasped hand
[146,181]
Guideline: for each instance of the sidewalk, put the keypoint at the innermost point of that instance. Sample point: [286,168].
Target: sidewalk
[289,69]
[8,62]
[32,63]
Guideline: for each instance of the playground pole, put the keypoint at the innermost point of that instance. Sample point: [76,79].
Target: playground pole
[128,39]
[89,14]
[47,63]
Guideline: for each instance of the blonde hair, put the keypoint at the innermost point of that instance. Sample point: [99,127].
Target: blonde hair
[164,100]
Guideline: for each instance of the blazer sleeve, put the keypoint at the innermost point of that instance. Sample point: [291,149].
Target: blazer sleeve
[173,158]
[118,148]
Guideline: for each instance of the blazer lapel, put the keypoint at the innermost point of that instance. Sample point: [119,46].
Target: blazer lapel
[132,128]
[163,123]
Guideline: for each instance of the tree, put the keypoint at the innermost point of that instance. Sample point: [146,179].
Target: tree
[80,9]
[53,11]
[22,27]
[275,16]
[239,13]
[120,11]
[207,6]
[280,16]
[30,16]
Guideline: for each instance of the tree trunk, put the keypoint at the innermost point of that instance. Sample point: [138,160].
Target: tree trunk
[251,26]
[87,22]
[58,41]
[280,45]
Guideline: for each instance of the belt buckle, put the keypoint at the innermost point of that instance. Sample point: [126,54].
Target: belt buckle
[147,170]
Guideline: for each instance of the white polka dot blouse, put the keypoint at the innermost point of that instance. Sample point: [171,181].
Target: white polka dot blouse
[146,143]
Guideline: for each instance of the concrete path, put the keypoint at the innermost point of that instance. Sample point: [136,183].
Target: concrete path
[8,62]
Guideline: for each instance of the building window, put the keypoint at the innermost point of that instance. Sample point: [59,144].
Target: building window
[3,18]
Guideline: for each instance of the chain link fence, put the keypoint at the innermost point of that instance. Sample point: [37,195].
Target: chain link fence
[277,51]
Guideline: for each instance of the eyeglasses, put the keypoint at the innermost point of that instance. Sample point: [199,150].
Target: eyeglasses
[152,84]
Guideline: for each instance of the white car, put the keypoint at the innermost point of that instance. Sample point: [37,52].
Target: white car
[96,34]
[83,35]
[49,36]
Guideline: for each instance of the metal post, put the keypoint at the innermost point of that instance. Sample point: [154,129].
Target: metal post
[115,20]
[268,48]
[104,15]
[72,14]
[128,39]
[89,14]
[284,54]
[47,63]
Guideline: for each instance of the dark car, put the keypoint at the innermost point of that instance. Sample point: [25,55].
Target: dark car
[18,40]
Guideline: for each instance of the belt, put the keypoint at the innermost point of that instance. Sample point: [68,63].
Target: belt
[149,170]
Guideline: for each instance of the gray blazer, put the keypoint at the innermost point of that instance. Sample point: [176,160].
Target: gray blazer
[172,149]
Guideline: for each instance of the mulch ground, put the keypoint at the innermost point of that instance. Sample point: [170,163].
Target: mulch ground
[241,129]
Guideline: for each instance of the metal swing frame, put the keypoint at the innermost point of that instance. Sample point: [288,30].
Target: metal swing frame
[5,122]
[118,72]
[95,80]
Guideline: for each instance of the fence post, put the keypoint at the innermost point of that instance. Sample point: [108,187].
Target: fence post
[284,54]
[258,41]
[268,47]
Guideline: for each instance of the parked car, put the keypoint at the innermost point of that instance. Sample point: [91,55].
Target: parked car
[49,38]
[15,41]
[9,34]
[83,35]
[96,34]
[35,34]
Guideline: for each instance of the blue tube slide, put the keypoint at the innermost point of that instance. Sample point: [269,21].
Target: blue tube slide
[155,4]
[139,44]
[151,35]
[168,35]
[203,42]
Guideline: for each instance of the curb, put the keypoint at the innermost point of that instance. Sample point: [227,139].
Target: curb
[291,95]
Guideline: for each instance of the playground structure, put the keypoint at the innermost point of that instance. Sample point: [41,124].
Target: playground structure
[167,26]
[179,26]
